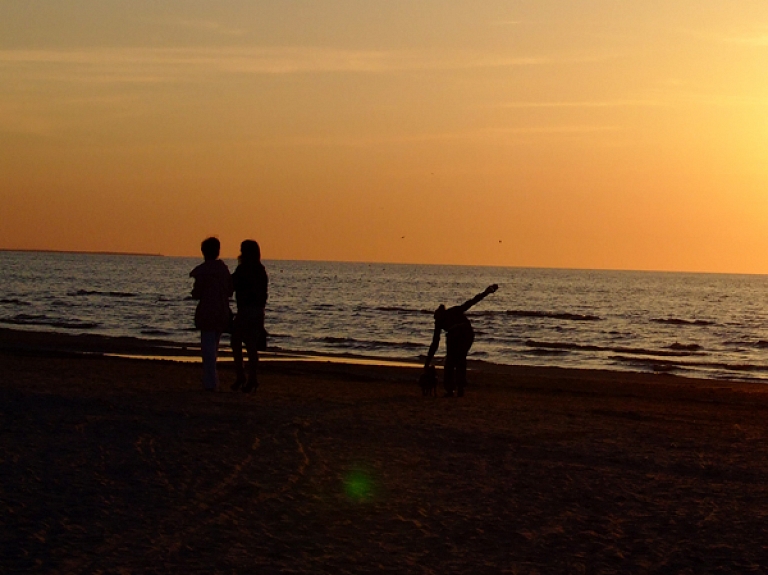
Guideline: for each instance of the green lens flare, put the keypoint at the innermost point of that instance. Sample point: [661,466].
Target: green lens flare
[358,486]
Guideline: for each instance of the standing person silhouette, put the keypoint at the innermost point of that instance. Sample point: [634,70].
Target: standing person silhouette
[458,339]
[251,292]
[212,289]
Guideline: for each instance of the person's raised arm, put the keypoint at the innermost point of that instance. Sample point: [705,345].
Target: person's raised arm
[470,302]
[433,347]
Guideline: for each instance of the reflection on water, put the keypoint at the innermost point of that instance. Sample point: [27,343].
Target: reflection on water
[276,358]
[702,324]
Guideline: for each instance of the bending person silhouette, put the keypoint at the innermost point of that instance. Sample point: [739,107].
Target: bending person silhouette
[459,336]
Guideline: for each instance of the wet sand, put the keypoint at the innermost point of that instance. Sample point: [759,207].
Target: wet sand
[125,466]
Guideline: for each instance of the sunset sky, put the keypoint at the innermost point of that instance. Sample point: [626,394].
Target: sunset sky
[551,133]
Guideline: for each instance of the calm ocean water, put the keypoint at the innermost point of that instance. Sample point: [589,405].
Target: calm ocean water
[713,326]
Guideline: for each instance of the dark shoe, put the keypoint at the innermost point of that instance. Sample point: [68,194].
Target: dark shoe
[239,382]
[252,384]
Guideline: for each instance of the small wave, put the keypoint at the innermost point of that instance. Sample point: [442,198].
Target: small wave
[279,336]
[649,364]
[23,319]
[741,367]
[759,344]
[545,351]
[404,310]
[13,301]
[667,365]
[552,315]
[85,292]
[677,321]
[628,350]
[337,340]
[685,347]
[362,344]
[401,344]
[154,332]
[562,316]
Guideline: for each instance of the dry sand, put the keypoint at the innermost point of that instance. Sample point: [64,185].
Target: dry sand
[110,465]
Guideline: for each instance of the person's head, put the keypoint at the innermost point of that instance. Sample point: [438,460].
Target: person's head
[439,312]
[211,247]
[250,252]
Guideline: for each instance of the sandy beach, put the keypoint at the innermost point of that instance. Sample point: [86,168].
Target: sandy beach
[113,465]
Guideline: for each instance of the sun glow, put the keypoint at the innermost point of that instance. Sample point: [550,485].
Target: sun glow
[589,135]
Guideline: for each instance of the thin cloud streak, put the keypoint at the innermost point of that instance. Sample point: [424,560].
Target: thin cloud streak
[757,37]
[570,129]
[289,60]
[487,134]
[761,40]
[587,104]
[723,100]
[673,99]
[17,118]
[210,26]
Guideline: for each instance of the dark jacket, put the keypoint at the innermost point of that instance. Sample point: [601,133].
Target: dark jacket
[213,287]
[251,286]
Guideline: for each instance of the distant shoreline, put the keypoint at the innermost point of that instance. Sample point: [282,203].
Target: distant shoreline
[91,253]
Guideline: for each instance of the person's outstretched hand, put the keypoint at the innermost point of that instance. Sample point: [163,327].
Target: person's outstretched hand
[492,288]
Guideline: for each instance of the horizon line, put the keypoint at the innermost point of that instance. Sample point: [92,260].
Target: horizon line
[83,252]
[522,267]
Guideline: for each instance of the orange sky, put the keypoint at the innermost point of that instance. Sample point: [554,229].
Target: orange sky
[590,134]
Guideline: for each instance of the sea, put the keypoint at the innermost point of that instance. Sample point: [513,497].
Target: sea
[712,326]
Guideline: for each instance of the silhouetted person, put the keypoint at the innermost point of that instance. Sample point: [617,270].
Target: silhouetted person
[251,291]
[458,339]
[213,288]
